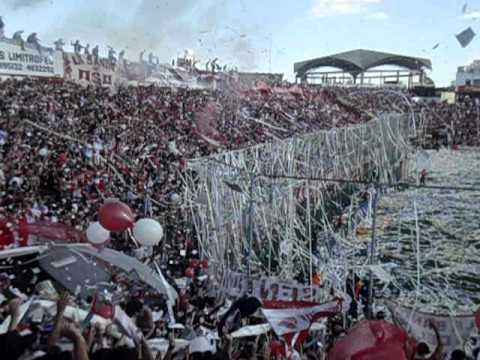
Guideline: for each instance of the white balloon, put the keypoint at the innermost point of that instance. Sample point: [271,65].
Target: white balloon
[148,232]
[97,234]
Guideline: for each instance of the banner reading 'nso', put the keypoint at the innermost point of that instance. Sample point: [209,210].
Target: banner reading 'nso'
[89,70]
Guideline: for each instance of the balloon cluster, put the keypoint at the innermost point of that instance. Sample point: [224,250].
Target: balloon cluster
[115,216]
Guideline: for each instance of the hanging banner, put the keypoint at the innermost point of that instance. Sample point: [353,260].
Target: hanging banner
[162,75]
[89,70]
[454,330]
[234,284]
[133,71]
[29,60]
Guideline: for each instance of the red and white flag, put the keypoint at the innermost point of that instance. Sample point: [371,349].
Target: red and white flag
[292,319]
[103,307]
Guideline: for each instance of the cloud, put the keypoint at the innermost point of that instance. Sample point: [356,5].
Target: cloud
[21,4]
[165,29]
[379,15]
[471,15]
[327,8]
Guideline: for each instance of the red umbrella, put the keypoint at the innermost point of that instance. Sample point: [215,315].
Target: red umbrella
[374,340]
[477,319]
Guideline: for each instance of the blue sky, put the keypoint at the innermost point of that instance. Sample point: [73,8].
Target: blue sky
[246,32]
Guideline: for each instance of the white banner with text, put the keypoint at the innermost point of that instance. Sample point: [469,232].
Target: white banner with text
[29,61]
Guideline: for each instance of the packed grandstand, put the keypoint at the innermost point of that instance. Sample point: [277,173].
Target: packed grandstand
[97,146]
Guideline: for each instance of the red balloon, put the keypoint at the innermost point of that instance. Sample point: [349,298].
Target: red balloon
[190,272]
[116,216]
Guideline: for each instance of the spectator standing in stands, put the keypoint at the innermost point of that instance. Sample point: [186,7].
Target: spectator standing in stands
[423,177]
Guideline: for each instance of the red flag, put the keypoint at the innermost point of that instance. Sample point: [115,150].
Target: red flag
[46,230]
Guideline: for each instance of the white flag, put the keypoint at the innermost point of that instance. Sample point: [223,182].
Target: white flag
[299,316]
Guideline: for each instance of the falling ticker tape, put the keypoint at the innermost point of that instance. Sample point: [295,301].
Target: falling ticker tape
[465,37]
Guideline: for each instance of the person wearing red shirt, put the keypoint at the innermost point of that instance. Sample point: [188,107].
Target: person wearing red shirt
[7,237]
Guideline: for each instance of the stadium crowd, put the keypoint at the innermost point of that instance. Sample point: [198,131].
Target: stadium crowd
[75,146]
[65,149]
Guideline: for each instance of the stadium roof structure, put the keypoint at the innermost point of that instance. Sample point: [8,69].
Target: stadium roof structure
[359,61]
